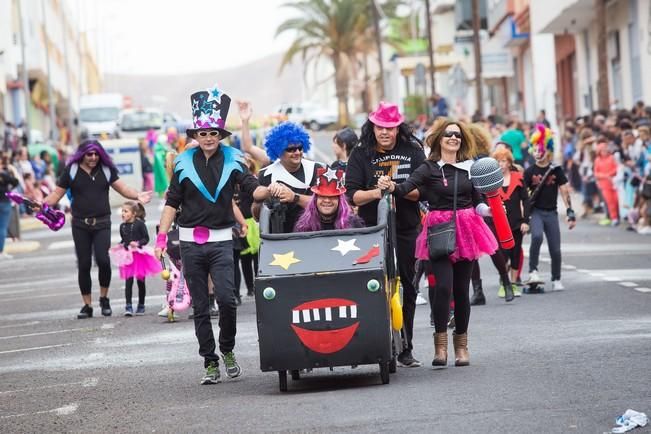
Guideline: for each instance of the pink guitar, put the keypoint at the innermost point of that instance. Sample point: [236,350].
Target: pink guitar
[52,218]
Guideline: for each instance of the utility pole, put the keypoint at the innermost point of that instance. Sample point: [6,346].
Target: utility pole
[477,50]
[378,42]
[50,100]
[68,88]
[430,45]
[603,93]
[26,127]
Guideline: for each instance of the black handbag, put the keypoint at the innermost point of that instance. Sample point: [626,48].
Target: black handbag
[442,238]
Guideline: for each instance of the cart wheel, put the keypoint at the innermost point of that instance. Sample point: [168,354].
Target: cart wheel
[384,372]
[296,374]
[393,365]
[282,381]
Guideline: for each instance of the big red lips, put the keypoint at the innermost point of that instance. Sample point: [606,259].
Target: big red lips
[325,341]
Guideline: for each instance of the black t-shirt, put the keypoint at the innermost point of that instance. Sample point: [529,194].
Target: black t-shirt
[430,179]
[196,209]
[547,197]
[89,192]
[300,184]
[365,167]
[136,231]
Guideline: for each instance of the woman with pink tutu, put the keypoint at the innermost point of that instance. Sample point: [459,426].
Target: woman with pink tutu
[134,259]
[452,149]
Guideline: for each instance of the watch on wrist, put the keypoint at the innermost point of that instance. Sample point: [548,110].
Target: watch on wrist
[571,216]
[297,197]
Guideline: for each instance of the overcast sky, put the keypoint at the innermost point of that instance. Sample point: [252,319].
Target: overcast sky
[172,36]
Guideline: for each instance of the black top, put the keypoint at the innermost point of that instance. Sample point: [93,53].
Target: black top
[547,197]
[292,211]
[136,231]
[516,202]
[7,183]
[196,210]
[428,179]
[244,202]
[90,193]
[339,165]
[365,167]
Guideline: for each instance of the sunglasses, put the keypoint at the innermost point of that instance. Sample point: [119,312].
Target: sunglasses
[208,133]
[456,134]
[292,149]
[92,154]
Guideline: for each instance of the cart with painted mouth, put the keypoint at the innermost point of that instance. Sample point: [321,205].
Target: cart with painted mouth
[324,299]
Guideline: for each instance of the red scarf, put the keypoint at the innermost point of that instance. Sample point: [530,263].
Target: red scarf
[516,181]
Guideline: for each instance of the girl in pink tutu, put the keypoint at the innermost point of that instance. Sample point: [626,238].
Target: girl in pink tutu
[452,149]
[133,232]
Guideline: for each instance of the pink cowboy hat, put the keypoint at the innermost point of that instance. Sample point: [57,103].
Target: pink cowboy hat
[387,115]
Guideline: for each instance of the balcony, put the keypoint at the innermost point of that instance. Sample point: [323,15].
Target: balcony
[561,16]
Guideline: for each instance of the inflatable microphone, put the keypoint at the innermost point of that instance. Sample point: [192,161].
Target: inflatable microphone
[52,218]
[487,178]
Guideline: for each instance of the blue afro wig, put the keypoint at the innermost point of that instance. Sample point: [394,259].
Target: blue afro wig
[283,135]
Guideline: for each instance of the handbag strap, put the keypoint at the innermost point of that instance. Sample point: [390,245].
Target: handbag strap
[454,198]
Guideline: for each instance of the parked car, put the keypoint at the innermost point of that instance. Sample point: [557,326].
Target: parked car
[134,123]
[310,115]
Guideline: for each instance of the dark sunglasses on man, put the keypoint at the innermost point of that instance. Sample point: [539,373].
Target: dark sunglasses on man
[211,133]
[292,149]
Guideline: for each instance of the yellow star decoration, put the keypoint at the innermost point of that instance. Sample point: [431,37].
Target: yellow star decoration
[284,260]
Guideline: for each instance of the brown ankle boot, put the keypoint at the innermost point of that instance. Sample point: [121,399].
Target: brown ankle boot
[461,349]
[440,349]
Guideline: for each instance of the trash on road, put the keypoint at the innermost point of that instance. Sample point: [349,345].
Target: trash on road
[629,420]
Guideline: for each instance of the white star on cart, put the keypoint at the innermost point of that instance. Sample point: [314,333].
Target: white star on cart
[330,174]
[344,247]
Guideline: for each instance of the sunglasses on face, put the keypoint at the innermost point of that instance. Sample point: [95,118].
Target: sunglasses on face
[92,154]
[456,134]
[292,149]
[208,133]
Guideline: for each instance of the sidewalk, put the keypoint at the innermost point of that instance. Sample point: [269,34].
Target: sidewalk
[23,246]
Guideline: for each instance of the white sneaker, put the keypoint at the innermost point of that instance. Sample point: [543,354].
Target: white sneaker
[557,285]
[534,277]
[420,299]
[163,313]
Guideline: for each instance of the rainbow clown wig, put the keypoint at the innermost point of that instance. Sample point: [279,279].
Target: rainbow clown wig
[541,141]
[283,135]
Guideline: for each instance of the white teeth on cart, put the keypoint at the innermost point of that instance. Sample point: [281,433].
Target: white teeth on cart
[314,314]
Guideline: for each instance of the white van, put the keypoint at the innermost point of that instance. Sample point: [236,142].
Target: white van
[308,114]
[99,115]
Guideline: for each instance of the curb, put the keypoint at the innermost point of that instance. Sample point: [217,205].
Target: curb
[13,247]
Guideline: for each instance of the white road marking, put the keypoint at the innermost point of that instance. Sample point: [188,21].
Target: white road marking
[60,411]
[612,279]
[41,333]
[568,267]
[24,324]
[643,289]
[20,350]
[40,285]
[582,270]
[597,274]
[628,284]
[88,382]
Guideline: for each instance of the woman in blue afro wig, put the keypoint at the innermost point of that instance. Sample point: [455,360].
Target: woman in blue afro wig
[283,135]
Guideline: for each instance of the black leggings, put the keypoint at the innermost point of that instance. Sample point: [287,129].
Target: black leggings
[515,254]
[451,278]
[87,242]
[128,290]
[249,269]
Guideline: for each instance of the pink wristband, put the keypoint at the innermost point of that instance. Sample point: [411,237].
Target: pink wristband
[161,241]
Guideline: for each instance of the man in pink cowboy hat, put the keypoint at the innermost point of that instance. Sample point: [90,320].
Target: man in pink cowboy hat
[387,147]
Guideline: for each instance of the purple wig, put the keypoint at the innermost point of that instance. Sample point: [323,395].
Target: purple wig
[88,146]
[310,220]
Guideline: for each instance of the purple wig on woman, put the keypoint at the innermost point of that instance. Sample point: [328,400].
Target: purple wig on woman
[89,146]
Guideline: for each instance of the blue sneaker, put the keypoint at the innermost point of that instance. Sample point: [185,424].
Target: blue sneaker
[128,310]
[140,310]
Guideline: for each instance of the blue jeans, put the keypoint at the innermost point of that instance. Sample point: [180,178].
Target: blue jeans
[5,215]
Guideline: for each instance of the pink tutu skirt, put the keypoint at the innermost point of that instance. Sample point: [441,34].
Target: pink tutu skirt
[474,238]
[144,264]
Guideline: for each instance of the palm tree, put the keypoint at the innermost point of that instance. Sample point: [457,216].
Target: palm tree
[338,30]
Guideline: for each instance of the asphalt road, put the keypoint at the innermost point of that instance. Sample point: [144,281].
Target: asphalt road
[559,362]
